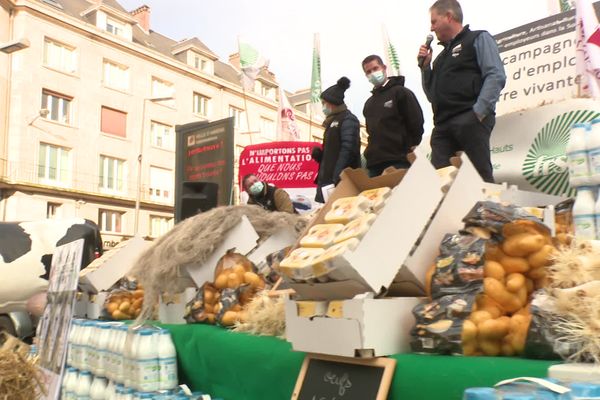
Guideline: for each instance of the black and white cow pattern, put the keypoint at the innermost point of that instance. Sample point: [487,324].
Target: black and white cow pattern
[26,250]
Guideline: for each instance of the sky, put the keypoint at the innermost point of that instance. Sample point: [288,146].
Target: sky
[349,31]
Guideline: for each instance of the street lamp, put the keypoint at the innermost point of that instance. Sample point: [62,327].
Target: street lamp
[138,194]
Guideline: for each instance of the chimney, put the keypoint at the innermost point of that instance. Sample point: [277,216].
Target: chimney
[142,15]
[234,60]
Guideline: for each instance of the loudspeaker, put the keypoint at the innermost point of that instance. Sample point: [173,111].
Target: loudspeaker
[197,197]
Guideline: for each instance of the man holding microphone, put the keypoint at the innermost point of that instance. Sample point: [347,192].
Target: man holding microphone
[463,86]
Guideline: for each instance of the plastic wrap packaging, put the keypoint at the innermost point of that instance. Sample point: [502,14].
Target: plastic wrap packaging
[493,216]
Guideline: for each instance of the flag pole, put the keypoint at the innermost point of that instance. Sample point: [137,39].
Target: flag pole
[244,93]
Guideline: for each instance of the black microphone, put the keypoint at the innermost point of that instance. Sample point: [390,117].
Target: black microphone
[428,41]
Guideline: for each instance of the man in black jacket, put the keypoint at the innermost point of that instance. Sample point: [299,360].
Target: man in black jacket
[463,86]
[394,119]
[341,139]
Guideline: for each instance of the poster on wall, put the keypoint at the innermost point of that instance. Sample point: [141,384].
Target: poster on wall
[540,62]
[287,165]
[204,153]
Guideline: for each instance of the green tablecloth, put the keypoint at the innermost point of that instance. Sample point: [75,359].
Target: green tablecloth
[237,366]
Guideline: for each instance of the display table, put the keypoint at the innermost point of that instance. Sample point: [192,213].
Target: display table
[237,366]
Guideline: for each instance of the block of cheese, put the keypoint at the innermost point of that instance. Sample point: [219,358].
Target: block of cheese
[346,209]
[356,229]
[311,308]
[328,261]
[447,174]
[335,309]
[297,264]
[321,235]
[376,197]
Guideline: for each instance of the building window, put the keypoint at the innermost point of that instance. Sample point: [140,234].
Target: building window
[54,164]
[239,116]
[162,135]
[201,104]
[60,56]
[160,225]
[163,89]
[115,75]
[58,105]
[114,27]
[267,128]
[110,221]
[113,122]
[161,184]
[52,210]
[112,173]
[268,91]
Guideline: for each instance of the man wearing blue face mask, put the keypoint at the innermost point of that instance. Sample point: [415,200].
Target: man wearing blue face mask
[267,196]
[393,116]
[341,139]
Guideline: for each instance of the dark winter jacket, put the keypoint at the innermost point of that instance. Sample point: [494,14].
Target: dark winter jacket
[394,122]
[341,148]
[456,79]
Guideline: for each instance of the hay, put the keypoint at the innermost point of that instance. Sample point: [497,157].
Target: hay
[20,379]
[193,241]
[266,316]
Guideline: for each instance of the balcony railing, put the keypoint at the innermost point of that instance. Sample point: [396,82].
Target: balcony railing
[28,174]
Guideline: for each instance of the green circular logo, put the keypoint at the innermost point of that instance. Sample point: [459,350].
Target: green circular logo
[545,166]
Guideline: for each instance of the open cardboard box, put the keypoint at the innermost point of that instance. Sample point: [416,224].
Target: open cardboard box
[364,325]
[114,264]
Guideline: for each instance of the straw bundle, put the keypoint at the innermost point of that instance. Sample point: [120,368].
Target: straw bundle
[20,379]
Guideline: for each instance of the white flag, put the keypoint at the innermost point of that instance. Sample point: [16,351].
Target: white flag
[315,81]
[287,129]
[391,56]
[588,48]
[251,63]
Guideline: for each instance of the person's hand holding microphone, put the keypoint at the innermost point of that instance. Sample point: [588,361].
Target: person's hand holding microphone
[424,57]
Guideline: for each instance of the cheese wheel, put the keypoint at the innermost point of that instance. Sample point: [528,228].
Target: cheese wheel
[321,235]
[376,197]
[356,229]
[346,209]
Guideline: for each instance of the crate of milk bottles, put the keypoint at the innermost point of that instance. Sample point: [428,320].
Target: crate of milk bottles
[583,158]
[110,360]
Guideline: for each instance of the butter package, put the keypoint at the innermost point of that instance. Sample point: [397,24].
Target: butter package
[356,229]
[376,197]
[321,235]
[306,263]
[346,209]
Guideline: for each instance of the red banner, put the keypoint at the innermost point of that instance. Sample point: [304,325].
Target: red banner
[284,164]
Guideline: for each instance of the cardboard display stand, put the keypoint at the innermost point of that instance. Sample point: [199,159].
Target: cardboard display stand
[326,377]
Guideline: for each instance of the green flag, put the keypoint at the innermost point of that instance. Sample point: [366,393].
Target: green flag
[391,55]
[251,63]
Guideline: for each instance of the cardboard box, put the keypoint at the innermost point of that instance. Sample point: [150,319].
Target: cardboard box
[368,327]
[171,309]
[114,264]
[372,266]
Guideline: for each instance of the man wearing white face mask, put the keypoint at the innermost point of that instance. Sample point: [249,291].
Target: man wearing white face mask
[267,196]
[393,116]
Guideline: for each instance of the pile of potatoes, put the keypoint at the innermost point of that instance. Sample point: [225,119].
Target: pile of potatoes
[123,305]
[234,286]
[513,269]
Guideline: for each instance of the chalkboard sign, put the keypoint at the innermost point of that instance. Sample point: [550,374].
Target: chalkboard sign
[341,378]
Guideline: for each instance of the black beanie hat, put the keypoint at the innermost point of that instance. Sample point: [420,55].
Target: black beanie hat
[335,93]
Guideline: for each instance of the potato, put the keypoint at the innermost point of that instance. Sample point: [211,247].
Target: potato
[493,329]
[514,264]
[233,281]
[209,308]
[136,312]
[240,271]
[514,282]
[251,278]
[210,318]
[120,315]
[490,348]
[507,349]
[469,349]
[537,273]
[493,269]
[138,293]
[485,303]
[229,318]
[523,244]
[522,295]
[112,307]
[137,303]
[541,283]
[209,296]
[496,290]
[221,281]
[479,316]
[541,258]
[529,285]
[469,331]
[493,252]
[124,306]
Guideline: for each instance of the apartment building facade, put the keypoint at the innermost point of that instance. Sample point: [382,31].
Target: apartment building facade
[89,99]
